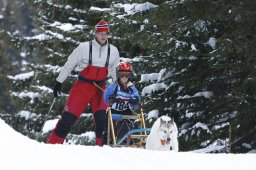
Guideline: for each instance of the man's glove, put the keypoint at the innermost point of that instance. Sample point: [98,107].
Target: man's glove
[56,89]
[133,100]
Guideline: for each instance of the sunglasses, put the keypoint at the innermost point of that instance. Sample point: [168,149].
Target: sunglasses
[124,74]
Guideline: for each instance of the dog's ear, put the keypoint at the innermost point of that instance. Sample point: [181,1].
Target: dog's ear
[161,121]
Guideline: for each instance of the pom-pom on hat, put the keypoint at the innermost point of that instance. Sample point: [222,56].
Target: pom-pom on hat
[102,26]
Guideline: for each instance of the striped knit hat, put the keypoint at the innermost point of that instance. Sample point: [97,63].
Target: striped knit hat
[102,26]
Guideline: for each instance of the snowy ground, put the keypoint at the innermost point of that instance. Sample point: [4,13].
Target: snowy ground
[21,153]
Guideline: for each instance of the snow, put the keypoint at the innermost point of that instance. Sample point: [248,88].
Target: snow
[72,19]
[40,37]
[22,54]
[180,44]
[153,114]
[156,77]
[54,69]
[216,127]
[43,37]
[149,77]
[25,94]
[44,88]
[246,145]
[131,9]
[66,26]
[193,48]
[49,125]
[212,42]
[22,76]
[205,94]
[27,115]
[200,125]
[201,25]
[88,136]
[100,9]
[152,77]
[152,88]
[21,153]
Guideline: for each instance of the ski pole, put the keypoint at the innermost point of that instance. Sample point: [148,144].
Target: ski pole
[52,105]
[98,86]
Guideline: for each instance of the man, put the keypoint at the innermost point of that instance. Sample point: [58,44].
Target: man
[95,61]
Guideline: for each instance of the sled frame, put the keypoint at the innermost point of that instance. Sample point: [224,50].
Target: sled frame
[140,133]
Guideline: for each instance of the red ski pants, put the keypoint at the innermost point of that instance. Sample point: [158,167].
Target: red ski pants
[80,96]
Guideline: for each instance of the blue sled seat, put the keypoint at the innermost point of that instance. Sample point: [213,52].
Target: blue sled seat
[117,116]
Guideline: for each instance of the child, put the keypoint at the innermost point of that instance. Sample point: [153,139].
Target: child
[122,96]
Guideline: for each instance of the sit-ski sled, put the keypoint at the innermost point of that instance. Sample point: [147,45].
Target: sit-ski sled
[134,137]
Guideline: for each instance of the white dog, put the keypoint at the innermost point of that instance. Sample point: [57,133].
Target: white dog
[163,135]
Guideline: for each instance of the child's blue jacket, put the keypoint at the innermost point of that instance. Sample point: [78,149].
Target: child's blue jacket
[115,89]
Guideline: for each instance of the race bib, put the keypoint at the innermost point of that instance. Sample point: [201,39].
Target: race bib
[120,105]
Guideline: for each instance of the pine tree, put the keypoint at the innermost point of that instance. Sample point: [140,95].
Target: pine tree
[204,80]
[5,104]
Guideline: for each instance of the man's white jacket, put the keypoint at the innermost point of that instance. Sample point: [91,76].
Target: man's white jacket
[79,59]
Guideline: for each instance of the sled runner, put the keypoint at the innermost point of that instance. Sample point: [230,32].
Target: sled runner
[135,124]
